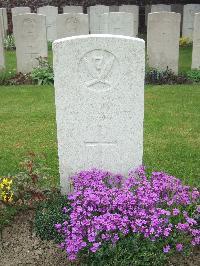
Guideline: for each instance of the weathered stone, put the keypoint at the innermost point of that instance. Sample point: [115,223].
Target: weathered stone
[20,10]
[163,35]
[160,7]
[2,59]
[4,18]
[99,103]
[135,10]
[72,9]
[196,43]
[95,13]
[30,39]
[113,8]
[51,13]
[72,24]
[188,19]
[117,23]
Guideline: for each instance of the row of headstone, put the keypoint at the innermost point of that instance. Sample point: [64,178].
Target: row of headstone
[4,21]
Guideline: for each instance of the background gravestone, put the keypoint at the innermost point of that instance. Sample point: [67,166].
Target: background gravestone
[160,7]
[147,11]
[51,13]
[188,19]
[94,17]
[72,9]
[3,17]
[178,8]
[163,35]
[135,10]
[196,43]
[99,103]
[20,10]
[30,40]
[72,24]
[2,60]
[113,8]
[117,23]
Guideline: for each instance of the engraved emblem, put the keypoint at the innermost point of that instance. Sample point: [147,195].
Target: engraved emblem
[71,24]
[99,70]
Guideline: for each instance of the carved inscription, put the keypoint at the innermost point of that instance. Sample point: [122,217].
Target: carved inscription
[99,70]
[71,24]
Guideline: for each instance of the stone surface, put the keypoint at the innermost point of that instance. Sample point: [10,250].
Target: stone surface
[51,13]
[178,8]
[135,10]
[99,103]
[72,25]
[72,9]
[95,13]
[117,23]
[160,7]
[30,39]
[113,8]
[147,11]
[4,18]
[188,19]
[196,43]
[163,35]
[20,10]
[2,59]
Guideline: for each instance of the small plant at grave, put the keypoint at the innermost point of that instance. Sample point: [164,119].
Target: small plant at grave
[9,42]
[49,46]
[185,42]
[123,215]
[194,75]
[43,74]
[6,189]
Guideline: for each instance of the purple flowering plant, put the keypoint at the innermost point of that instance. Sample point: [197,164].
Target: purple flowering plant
[106,207]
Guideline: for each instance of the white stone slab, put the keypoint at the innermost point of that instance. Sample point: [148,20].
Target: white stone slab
[99,103]
[4,18]
[20,10]
[2,59]
[117,23]
[94,13]
[163,35]
[72,24]
[135,10]
[51,13]
[160,8]
[113,8]
[188,19]
[196,43]
[147,11]
[72,9]
[30,39]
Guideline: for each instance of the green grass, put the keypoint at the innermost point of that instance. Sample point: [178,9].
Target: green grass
[171,129]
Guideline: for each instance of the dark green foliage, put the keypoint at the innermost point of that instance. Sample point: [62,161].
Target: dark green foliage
[47,215]
[194,75]
[43,74]
[129,251]
[9,42]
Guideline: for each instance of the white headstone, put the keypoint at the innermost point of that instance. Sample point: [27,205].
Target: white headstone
[99,103]
[30,39]
[147,11]
[188,19]
[196,43]
[163,35]
[113,8]
[4,18]
[72,9]
[160,8]
[135,10]
[95,13]
[51,13]
[117,23]
[2,59]
[72,25]
[20,10]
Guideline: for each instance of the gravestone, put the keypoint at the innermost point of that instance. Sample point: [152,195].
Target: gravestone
[51,13]
[72,9]
[20,10]
[72,24]
[196,43]
[178,8]
[113,8]
[30,39]
[95,13]
[99,103]
[2,59]
[188,19]
[163,35]
[135,10]
[4,18]
[160,7]
[117,23]
[147,11]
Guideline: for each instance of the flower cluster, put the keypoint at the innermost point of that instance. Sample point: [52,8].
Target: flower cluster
[6,192]
[106,207]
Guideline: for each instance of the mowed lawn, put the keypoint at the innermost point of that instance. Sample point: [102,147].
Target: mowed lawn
[171,129]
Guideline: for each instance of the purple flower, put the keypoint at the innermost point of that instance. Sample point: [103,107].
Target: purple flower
[166,249]
[179,247]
